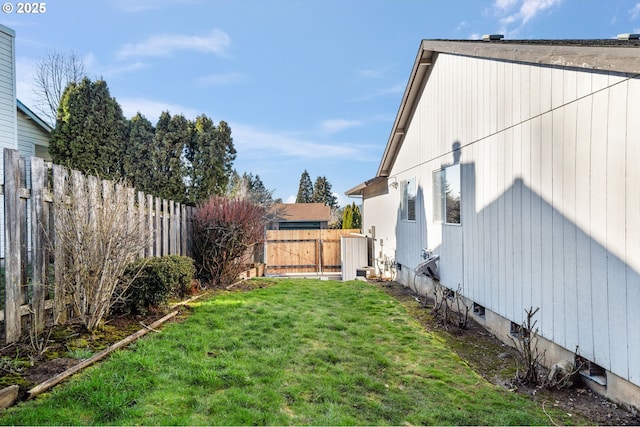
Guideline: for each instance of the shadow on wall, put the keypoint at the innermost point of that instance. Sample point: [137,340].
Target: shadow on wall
[519,251]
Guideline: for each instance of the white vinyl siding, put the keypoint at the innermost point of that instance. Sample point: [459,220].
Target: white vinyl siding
[550,207]
[8,130]
[409,200]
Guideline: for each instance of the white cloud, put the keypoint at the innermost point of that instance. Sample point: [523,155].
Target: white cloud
[216,42]
[526,10]
[461,26]
[337,125]
[221,79]
[152,109]
[95,69]
[258,143]
[635,11]
[531,8]
[390,90]
[135,66]
[373,72]
[504,4]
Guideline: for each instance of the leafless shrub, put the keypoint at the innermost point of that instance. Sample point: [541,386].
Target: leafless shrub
[445,300]
[526,342]
[224,231]
[98,236]
[39,337]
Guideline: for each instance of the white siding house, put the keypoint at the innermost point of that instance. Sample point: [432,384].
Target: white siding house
[33,133]
[8,122]
[518,163]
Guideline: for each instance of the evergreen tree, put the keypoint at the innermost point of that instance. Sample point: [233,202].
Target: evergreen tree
[210,155]
[138,167]
[172,135]
[357,217]
[351,217]
[90,130]
[305,188]
[258,193]
[322,193]
[347,217]
[249,187]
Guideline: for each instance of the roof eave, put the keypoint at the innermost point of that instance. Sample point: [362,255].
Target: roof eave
[33,116]
[553,53]
[412,92]
[358,190]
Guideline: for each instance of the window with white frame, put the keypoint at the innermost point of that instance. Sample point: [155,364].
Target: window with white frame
[447,194]
[409,200]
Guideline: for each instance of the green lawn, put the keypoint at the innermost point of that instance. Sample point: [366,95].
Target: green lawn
[298,352]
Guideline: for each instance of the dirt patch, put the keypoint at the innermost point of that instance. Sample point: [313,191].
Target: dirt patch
[497,362]
[48,369]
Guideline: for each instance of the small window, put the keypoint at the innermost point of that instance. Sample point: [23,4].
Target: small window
[447,195]
[409,200]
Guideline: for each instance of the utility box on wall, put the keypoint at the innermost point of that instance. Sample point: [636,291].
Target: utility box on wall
[353,255]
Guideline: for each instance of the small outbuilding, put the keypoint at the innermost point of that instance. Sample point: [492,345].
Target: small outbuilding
[299,216]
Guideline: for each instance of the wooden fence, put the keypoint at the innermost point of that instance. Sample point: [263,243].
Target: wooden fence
[31,279]
[303,251]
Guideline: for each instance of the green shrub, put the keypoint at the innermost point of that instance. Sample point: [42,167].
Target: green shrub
[153,280]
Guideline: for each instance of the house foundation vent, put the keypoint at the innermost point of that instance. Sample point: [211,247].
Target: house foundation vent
[478,310]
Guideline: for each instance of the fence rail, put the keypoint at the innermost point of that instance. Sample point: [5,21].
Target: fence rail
[32,285]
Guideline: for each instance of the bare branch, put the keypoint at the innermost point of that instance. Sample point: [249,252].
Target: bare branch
[53,74]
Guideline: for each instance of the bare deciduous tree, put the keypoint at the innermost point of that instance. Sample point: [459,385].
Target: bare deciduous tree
[99,236]
[53,74]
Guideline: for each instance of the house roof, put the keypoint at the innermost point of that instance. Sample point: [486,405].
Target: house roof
[33,116]
[610,55]
[286,212]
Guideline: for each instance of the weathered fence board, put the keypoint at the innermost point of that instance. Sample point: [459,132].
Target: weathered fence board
[303,251]
[30,239]
[13,242]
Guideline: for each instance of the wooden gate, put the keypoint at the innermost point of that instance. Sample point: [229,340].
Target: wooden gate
[303,251]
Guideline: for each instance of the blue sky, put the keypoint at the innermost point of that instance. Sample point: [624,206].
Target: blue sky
[309,84]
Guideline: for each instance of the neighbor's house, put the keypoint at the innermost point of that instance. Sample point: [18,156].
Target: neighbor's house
[20,128]
[518,163]
[299,216]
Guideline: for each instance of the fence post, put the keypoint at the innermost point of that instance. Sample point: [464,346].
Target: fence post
[40,227]
[13,242]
